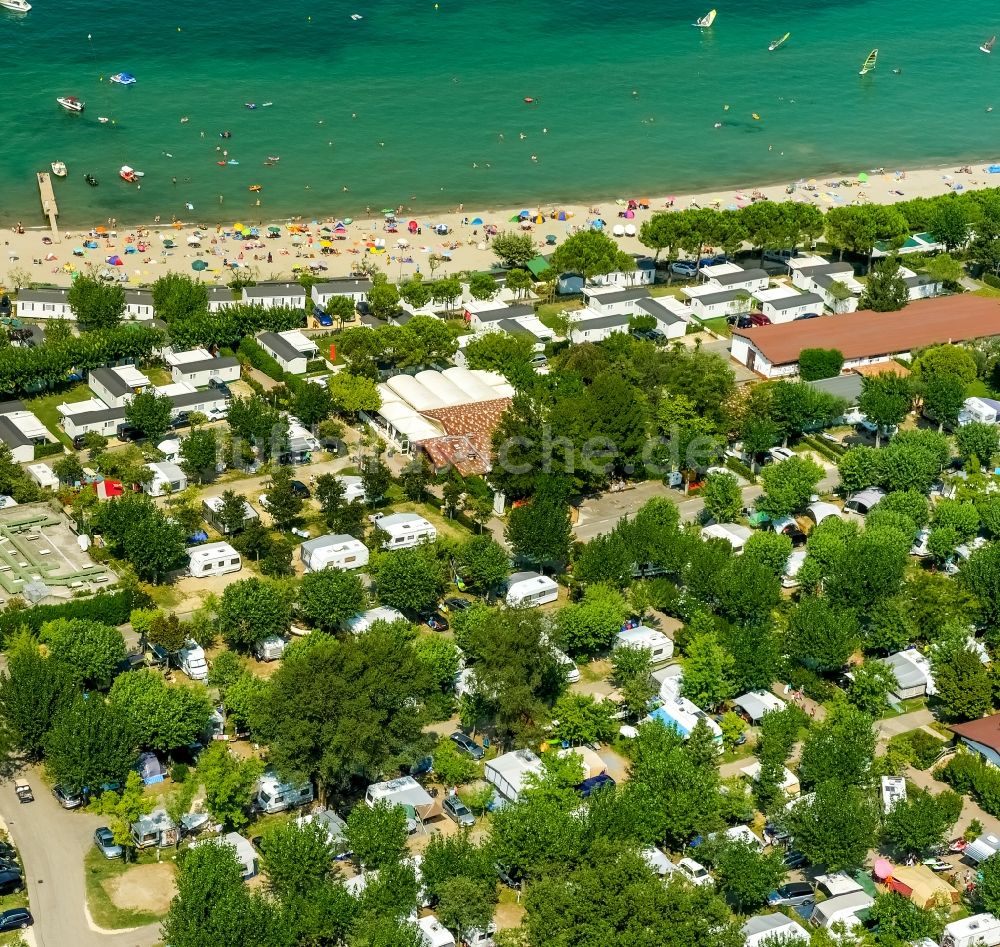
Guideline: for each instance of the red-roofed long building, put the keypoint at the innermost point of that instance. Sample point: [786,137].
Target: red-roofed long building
[865,337]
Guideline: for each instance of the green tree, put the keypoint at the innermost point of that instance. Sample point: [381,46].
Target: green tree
[231,515]
[632,675]
[977,440]
[582,719]
[91,650]
[988,888]
[885,400]
[964,690]
[414,478]
[519,281]
[944,397]
[885,290]
[408,579]
[980,575]
[507,354]
[250,611]
[513,249]
[345,709]
[229,784]
[870,688]
[95,304]
[723,497]
[446,291]
[89,745]
[160,717]
[769,549]
[922,821]
[539,532]
[383,298]
[961,516]
[745,874]
[377,834]
[663,231]
[177,297]
[415,291]
[330,597]
[124,808]
[945,269]
[452,766]
[312,403]
[464,905]
[68,469]
[588,252]
[351,393]
[283,503]
[945,361]
[483,562]
[375,477]
[836,827]
[590,625]
[298,858]
[788,486]
[708,672]
[820,363]
[150,413]
[839,749]
[200,453]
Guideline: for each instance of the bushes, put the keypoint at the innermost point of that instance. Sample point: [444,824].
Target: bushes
[990,280]
[742,469]
[48,450]
[969,775]
[249,351]
[820,363]
[919,747]
[110,608]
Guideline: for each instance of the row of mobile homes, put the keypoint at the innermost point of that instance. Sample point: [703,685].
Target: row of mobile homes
[333,552]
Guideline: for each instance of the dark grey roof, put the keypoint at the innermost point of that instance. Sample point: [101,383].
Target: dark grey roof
[188,398]
[97,417]
[140,297]
[826,280]
[267,290]
[919,279]
[373,322]
[12,435]
[42,295]
[847,387]
[722,296]
[6,407]
[206,364]
[345,285]
[401,317]
[744,276]
[505,312]
[794,302]
[111,381]
[280,346]
[826,269]
[601,322]
[660,313]
[220,292]
[621,295]
[512,327]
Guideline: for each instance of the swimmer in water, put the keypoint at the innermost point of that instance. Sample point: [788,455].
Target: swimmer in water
[718,125]
[545,131]
[522,136]
[534,157]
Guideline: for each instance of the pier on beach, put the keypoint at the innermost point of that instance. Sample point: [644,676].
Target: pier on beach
[49,206]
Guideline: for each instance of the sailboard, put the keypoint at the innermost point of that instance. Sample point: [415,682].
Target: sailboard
[987,47]
[706,21]
[869,63]
[780,41]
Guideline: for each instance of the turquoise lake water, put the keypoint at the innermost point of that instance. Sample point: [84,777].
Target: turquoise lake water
[411,97]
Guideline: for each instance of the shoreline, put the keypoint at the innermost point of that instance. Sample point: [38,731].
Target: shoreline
[404,253]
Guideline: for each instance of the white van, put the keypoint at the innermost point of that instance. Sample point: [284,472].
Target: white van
[213,559]
[275,796]
[191,660]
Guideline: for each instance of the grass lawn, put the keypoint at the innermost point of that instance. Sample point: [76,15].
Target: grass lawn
[719,325]
[988,291]
[44,406]
[548,312]
[106,914]
[905,707]
[158,375]
[445,526]
[674,289]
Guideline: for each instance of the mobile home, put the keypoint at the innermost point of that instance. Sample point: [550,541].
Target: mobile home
[842,909]
[191,660]
[659,646]
[433,933]
[980,930]
[364,620]
[210,508]
[273,795]
[508,772]
[405,530]
[242,849]
[167,478]
[214,559]
[529,589]
[333,552]
[154,830]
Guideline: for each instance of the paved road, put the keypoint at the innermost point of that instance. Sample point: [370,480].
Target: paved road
[904,723]
[52,843]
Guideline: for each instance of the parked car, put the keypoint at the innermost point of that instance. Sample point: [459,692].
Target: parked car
[15,919]
[792,894]
[684,268]
[465,742]
[749,320]
[538,360]
[456,604]
[458,811]
[435,621]
[7,852]
[806,315]
[323,318]
[794,859]
[778,454]
[104,839]
[220,386]
[183,419]
[300,489]
[649,335]
[5,307]
[11,880]
[126,432]
[775,835]
[67,799]
[363,308]
[594,784]
[695,872]
[508,877]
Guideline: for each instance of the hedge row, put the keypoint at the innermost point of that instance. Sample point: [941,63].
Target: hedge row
[111,608]
[737,466]
[969,775]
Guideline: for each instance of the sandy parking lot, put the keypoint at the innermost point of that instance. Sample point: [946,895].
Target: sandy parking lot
[143,888]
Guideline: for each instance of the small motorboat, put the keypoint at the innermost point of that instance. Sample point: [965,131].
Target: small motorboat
[17,6]
[59,169]
[103,119]
[356,16]
[128,174]
[232,161]
[221,164]
[123,78]
[265,105]
[528,100]
[90,179]
[273,158]
[71,103]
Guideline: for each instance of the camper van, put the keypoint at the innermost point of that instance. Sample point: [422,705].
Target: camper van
[404,530]
[529,590]
[191,660]
[433,933]
[214,559]
[275,796]
[333,552]
[360,623]
[659,646]
[980,930]
[270,649]
[572,671]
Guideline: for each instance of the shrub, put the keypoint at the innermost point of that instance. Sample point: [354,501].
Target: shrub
[820,363]
[990,280]
[110,608]
[968,775]
[810,683]
[179,772]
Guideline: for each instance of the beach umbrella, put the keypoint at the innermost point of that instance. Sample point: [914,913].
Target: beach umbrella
[862,177]
[539,219]
[296,240]
[168,244]
[618,230]
[77,251]
[91,244]
[348,220]
[630,230]
[597,224]
[629,214]
[273,229]
[882,868]
[325,244]
[100,230]
[388,210]
[238,226]
[477,221]
[526,225]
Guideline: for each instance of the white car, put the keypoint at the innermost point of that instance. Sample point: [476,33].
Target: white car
[263,501]
[684,268]
[695,872]
[920,547]
[778,454]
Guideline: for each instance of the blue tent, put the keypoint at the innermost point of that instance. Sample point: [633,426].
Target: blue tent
[597,224]
[477,221]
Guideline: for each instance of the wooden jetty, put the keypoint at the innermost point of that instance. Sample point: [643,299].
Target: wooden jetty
[49,205]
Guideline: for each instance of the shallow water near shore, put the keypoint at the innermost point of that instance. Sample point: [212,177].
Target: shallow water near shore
[408,105]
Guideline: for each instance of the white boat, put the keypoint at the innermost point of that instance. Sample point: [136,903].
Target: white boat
[123,78]
[356,16]
[128,174]
[103,120]
[706,21]
[987,47]
[71,103]
[780,41]
[59,169]
[18,6]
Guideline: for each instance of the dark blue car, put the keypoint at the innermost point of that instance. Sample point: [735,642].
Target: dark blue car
[594,784]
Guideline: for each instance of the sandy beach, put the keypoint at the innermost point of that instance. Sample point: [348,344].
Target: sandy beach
[303,241]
